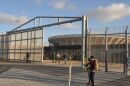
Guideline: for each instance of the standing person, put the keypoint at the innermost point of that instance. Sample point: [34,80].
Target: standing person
[65,58]
[58,57]
[27,57]
[53,57]
[93,66]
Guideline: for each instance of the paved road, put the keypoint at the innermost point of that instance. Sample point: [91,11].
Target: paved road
[45,75]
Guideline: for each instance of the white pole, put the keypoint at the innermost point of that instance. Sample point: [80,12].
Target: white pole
[70,67]
[83,40]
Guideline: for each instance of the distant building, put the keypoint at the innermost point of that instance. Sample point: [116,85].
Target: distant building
[72,44]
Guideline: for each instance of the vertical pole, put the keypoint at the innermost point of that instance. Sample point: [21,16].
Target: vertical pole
[106,51]
[9,46]
[7,42]
[89,44]
[70,67]
[126,51]
[34,52]
[2,45]
[31,45]
[21,47]
[15,48]
[39,23]
[6,46]
[27,45]
[42,45]
[20,43]
[83,40]
[86,40]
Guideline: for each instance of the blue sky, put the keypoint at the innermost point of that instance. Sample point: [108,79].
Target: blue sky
[101,13]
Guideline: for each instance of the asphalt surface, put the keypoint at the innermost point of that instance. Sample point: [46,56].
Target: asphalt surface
[27,74]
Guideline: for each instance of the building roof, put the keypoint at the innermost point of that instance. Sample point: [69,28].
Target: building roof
[94,39]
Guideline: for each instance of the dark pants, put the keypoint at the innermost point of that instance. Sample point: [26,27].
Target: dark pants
[92,77]
[88,77]
[27,59]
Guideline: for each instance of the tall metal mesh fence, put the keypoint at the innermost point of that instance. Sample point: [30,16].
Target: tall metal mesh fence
[15,45]
[109,47]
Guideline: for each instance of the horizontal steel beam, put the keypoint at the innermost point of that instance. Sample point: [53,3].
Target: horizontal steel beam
[42,17]
[56,17]
[62,22]
[48,25]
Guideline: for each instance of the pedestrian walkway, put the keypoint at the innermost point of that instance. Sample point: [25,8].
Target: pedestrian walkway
[54,74]
[32,78]
[45,63]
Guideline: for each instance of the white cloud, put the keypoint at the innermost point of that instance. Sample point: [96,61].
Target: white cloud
[110,13]
[62,4]
[11,19]
[22,19]
[58,5]
[38,2]
[71,7]
[69,26]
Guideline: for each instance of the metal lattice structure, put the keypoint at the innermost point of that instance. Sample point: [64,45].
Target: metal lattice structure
[29,37]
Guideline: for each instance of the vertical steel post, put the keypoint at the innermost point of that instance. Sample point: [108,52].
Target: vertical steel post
[89,44]
[34,50]
[9,45]
[83,40]
[6,46]
[70,69]
[1,36]
[39,23]
[27,45]
[21,47]
[15,48]
[42,45]
[31,45]
[106,51]
[34,40]
[86,40]
[126,51]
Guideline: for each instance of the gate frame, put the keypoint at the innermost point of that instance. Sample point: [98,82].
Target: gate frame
[37,25]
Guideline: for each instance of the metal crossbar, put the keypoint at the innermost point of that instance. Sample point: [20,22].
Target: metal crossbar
[39,17]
